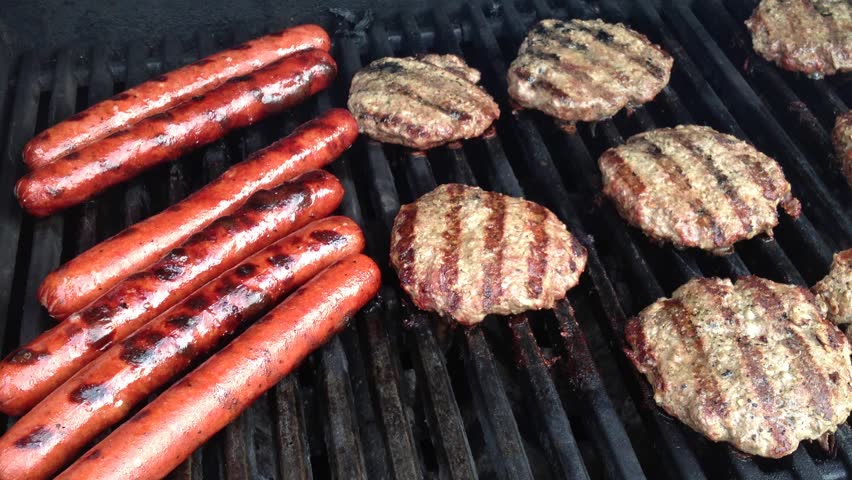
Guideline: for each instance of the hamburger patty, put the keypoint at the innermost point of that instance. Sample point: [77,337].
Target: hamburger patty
[586,69]
[695,187]
[753,364]
[834,292]
[420,102]
[466,253]
[843,143]
[809,36]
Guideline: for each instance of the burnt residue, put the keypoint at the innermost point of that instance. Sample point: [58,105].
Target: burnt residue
[96,313]
[172,265]
[225,286]
[242,78]
[202,62]
[26,356]
[281,260]
[141,348]
[197,302]
[160,78]
[296,195]
[89,393]
[328,237]
[245,270]
[35,439]
[99,337]
[182,322]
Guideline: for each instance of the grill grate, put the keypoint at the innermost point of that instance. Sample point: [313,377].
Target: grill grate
[399,394]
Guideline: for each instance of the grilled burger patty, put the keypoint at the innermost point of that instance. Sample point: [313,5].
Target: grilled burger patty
[695,187]
[753,364]
[466,253]
[834,292]
[586,70]
[809,36]
[843,143]
[420,102]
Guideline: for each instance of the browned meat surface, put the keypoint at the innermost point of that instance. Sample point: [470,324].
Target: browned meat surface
[843,143]
[420,102]
[753,364]
[695,187]
[466,253]
[809,36]
[834,292]
[586,70]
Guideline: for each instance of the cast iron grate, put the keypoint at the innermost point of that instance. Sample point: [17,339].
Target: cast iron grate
[400,395]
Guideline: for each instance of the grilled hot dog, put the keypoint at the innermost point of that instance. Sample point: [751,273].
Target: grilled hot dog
[30,373]
[168,90]
[88,276]
[124,154]
[170,428]
[103,392]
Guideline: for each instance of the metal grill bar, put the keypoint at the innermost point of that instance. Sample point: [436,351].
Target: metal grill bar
[448,433]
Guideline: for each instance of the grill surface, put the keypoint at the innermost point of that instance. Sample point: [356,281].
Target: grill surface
[400,394]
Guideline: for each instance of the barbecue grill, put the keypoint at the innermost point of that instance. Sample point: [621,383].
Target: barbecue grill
[401,394]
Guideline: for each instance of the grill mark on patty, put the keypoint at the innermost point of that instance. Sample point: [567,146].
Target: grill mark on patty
[625,173]
[449,270]
[816,382]
[760,176]
[541,84]
[622,50]
[673,171]
[681,318]
[493,267]
[398,88]
[537,260]
[727,185]
[566,66]
[405,245]
[411,128]
[753,360]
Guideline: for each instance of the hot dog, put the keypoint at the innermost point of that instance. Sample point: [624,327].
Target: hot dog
[170,428]
[168,90]
[167,135]
[103,392]
[30,373]
[86,277]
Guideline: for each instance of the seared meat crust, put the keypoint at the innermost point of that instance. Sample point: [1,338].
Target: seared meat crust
[754,364]
[843,143]
[695,187]
[809,36]
[466,253]
[834,292]
[420,102]
[586,70]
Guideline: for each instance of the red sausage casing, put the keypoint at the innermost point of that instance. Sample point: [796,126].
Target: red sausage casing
[168,90]
[89,275]
[154,441]
[106,390]
[30,373]
[241,101]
